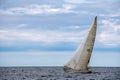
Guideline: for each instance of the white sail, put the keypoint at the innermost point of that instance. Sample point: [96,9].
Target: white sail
[80,59]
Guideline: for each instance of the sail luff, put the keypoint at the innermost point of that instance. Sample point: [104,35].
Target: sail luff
[81,57]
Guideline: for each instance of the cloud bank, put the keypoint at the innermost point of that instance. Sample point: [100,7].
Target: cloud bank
[49,23]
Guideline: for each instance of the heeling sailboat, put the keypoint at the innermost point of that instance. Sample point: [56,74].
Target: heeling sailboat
[80,59]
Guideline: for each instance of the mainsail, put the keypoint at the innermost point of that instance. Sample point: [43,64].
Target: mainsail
[80,59]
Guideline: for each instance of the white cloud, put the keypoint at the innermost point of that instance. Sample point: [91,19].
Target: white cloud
[112,14]
[46,36]
[78,1]
[110,34]
[22,25]
[90,1]
[36,9]
[74,27]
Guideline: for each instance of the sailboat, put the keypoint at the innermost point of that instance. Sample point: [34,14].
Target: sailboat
[81,58]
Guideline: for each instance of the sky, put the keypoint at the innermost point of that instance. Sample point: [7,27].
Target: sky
[57,25]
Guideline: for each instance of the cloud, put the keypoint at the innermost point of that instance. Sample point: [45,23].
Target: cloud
[22,25]
[12,36]
[78,1]
[90,1]
[36,9]
[112,14]
[110,34]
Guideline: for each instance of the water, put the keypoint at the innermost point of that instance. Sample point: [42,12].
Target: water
[55,58]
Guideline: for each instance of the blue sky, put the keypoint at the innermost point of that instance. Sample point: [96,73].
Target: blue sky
[57,25]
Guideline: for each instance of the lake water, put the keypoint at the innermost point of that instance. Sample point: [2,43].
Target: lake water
[55,58]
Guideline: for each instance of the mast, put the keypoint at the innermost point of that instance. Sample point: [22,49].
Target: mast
[80,59]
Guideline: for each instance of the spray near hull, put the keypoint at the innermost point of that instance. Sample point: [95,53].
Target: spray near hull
[80,59]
